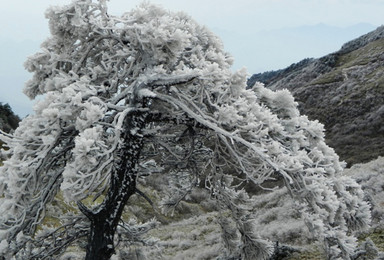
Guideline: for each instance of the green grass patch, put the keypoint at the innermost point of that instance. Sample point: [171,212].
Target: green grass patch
[377,237]
[314,253]
[361,56]
[331,77]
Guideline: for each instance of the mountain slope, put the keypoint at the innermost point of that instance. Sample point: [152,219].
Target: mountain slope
[345,91]
[8,120]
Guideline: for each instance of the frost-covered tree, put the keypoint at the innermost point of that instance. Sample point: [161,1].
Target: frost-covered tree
[152,92]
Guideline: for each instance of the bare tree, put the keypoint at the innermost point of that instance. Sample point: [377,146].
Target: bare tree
[152,91]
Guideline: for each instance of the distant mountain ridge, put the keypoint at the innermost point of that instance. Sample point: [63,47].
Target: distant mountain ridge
[345,91]
[277,48]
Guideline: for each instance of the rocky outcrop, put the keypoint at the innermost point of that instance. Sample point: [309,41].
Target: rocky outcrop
[345,91]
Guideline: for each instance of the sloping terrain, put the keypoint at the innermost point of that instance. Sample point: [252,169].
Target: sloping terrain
[343,90]
[8,120]
[193,232]
[198,235]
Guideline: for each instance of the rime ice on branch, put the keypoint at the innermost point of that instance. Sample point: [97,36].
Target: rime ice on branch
[152,91]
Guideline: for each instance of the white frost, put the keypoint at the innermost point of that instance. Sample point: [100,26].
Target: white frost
[146,93]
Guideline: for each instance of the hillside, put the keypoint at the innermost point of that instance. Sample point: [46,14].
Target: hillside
[8,120]
[193,232]
[345,91]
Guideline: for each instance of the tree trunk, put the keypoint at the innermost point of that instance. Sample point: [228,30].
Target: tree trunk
[105,218]
[100,240]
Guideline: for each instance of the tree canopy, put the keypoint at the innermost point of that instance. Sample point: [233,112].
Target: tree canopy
[151,91]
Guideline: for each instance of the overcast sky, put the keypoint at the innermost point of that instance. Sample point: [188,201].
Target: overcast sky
[254,31]
[24,19]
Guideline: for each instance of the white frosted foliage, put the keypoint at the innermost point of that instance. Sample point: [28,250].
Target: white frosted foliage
[149,99]
[83,175]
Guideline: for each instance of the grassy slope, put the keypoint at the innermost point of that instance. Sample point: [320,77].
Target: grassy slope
[352,119]
[360,57]
[344,91]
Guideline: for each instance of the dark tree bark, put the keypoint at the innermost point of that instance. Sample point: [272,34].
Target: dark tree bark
[105,218]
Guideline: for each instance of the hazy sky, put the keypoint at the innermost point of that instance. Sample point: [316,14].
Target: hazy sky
[242,24]
[24,19]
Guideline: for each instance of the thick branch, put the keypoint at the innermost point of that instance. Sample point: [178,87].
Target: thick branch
[142,194]
[223,133]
